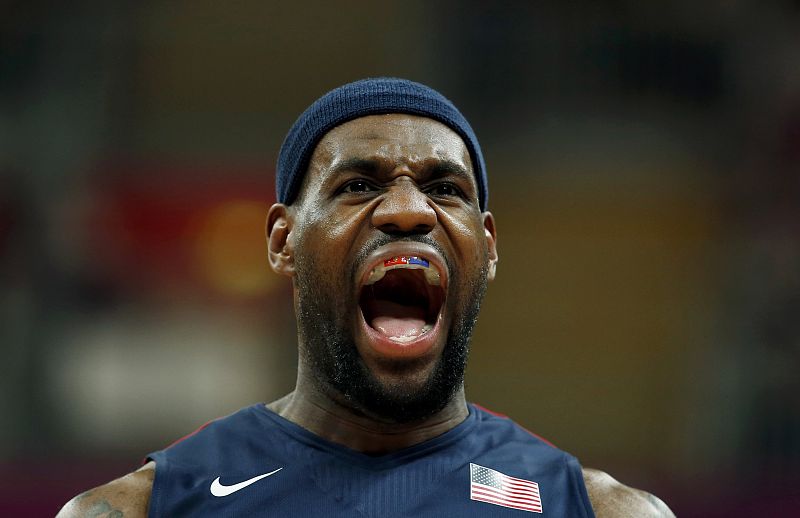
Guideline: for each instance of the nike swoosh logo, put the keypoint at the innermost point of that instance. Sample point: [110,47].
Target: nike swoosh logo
[218,489]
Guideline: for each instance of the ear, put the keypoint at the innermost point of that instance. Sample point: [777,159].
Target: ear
[279,239]
[490,233]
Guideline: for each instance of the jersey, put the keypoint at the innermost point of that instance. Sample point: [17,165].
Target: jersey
[256,463]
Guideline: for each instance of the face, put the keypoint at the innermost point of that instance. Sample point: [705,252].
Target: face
[390,257]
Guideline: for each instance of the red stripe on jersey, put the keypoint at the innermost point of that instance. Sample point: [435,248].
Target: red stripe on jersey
[498,414]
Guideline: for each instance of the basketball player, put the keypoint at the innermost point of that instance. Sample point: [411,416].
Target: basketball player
[382,226]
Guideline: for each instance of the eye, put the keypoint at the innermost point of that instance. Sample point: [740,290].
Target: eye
[357,186]
[444,189]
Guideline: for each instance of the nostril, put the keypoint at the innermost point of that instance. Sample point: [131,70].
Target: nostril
[397,232]
[422,228]
[404,224]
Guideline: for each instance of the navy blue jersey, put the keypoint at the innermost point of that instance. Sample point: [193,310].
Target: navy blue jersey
[256,463]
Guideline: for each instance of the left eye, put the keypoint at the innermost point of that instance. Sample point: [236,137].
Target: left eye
[358,186]
[444,189]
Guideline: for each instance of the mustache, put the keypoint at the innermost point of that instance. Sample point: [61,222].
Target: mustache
[385,239]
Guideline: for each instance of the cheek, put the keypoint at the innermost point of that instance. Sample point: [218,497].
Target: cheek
[459,225]
[334,226]
[467,234]
[325,246]
[342,226]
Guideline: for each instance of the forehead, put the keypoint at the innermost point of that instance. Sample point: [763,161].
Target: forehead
[395,137]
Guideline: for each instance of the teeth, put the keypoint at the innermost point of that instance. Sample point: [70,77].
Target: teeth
[375,275]
[432,276]
[407,262]
[410,338]
[403,339]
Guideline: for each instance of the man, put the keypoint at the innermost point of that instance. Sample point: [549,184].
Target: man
[382,226]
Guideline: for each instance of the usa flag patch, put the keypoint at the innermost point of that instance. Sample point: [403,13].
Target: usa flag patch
[491,486]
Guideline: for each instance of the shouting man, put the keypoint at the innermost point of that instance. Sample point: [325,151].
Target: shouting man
[382,226]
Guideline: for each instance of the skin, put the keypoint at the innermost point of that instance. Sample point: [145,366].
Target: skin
[330,227]
[407,193]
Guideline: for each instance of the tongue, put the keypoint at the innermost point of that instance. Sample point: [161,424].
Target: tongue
[397,321]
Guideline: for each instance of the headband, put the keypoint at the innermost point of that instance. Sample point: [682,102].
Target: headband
[369,97]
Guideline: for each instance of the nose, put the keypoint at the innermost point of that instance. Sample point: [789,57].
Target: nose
[404,209]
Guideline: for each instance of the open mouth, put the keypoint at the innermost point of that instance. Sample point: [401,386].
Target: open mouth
[402,297]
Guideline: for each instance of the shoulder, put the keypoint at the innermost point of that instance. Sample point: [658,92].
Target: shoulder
[128,496]
[612,499]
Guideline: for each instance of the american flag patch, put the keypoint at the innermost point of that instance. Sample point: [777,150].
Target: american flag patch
[488,485]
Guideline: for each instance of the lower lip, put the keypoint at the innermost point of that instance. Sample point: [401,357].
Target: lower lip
[388,348]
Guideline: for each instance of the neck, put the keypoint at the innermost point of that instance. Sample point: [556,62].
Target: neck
[336,422]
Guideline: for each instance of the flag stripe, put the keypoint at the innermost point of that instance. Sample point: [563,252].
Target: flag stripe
[531,508]
[520,480]
[513,501]
[515,483]
[478,492]
[529,496]
[517,491]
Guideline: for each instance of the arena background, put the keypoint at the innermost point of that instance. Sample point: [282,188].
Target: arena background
[645,177]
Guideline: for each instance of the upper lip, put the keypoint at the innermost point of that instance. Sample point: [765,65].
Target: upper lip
[399,249]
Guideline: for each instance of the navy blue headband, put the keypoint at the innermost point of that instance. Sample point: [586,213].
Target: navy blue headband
[369,97]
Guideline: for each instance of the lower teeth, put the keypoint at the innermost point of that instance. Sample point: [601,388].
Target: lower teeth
[411,338]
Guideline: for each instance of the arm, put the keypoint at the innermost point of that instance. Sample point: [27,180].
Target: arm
[127,497]
[611,499]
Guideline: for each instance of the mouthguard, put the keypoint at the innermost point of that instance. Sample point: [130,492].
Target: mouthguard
[408,262]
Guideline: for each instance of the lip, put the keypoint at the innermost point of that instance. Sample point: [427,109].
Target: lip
[379,344]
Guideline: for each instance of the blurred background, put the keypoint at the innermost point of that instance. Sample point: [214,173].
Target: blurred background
[645,178]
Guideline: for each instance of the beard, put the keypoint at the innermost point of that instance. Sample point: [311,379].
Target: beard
[325,327]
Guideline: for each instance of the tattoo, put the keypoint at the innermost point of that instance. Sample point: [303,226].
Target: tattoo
[99,509]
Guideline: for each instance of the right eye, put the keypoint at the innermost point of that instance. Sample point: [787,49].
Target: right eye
[357,186]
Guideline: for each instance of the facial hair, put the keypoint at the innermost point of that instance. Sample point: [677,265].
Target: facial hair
[324,324]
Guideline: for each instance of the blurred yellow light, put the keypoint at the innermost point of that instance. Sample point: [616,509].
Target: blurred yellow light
[230,249]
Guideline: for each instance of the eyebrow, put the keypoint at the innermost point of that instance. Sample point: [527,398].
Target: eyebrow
[449,168]
[364,165]
[441,167]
